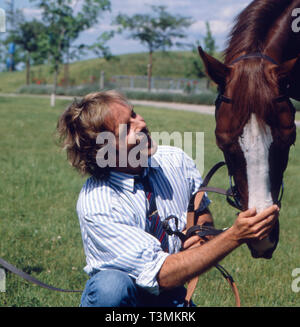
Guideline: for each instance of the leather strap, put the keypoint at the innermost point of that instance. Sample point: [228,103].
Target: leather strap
[255,55]
[30,278]
[203,231]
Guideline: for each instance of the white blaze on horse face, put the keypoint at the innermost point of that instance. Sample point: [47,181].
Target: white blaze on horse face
[255,143]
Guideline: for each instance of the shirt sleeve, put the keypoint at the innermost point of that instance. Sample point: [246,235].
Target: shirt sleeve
[115,242]
[195,180]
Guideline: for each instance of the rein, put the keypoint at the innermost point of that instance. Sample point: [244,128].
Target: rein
[32,279]
[204,230]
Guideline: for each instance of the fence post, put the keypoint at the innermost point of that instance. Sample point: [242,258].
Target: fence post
[101,83]
[2,280]
[52,99]
[132,82]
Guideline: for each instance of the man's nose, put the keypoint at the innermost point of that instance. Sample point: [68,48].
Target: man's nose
[138,119]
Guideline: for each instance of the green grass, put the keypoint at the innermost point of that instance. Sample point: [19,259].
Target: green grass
[39,229]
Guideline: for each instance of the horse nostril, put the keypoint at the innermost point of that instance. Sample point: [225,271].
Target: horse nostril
[223,139]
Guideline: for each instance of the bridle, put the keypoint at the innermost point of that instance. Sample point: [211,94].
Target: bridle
[233,192]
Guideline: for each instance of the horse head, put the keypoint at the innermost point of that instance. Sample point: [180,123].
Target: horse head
[255,127]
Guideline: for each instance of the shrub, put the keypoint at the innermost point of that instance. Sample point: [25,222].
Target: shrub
[206,98]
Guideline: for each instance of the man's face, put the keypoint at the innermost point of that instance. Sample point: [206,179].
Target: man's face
[130,131]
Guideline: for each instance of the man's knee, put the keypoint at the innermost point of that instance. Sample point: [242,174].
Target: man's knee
[110,288]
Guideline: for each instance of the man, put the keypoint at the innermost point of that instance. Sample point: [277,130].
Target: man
[131,260]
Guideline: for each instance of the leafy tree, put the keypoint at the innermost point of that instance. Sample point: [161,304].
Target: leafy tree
[194,67]
[64,27]
[101,49]
[209,41]
[209,46]
[14,17]
[28,37]
[158,30]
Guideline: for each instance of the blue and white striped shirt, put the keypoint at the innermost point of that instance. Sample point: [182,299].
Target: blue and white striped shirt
[112,213]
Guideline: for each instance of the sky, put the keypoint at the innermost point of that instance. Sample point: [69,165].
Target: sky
[219,13]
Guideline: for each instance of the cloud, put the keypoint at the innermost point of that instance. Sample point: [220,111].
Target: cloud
[218,27]
[229,12]
[31,13]
[99,28]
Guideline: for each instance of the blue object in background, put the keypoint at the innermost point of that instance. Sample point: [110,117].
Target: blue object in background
[10,64]
[11,48]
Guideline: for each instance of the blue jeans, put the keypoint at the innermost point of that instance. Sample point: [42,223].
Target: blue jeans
[114,288]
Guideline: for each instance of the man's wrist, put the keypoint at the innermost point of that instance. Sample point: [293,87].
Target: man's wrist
[232,235]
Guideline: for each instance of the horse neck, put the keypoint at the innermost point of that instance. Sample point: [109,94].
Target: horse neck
[282,43]
[265,26]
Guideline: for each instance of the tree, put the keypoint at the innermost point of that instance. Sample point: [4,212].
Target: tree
[64,27]
[14,17]
[28,37]
[101,49]
[158,30]
[209,41]
[193,66]
[209,46]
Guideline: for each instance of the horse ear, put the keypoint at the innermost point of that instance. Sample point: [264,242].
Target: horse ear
[216,70]
[291,70]
[286,68]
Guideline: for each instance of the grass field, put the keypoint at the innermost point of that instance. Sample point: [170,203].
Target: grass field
[39,229]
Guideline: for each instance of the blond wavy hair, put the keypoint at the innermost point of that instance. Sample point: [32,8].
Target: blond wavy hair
[79,126]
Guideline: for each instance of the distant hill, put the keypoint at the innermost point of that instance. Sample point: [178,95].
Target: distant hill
[174,64]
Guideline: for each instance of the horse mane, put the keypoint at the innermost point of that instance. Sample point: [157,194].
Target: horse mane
[253,91]
[252,26]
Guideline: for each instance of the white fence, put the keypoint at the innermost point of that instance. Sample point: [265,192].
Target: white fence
[160,84]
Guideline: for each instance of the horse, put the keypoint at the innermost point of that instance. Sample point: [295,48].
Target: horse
[255,118]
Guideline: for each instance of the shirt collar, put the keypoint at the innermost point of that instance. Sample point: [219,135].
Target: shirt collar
[126,181]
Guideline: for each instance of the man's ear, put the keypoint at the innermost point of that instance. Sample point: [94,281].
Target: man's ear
[216,70]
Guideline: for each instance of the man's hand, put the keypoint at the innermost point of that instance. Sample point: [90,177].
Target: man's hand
[193,242]
[183,266]
[252,226]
